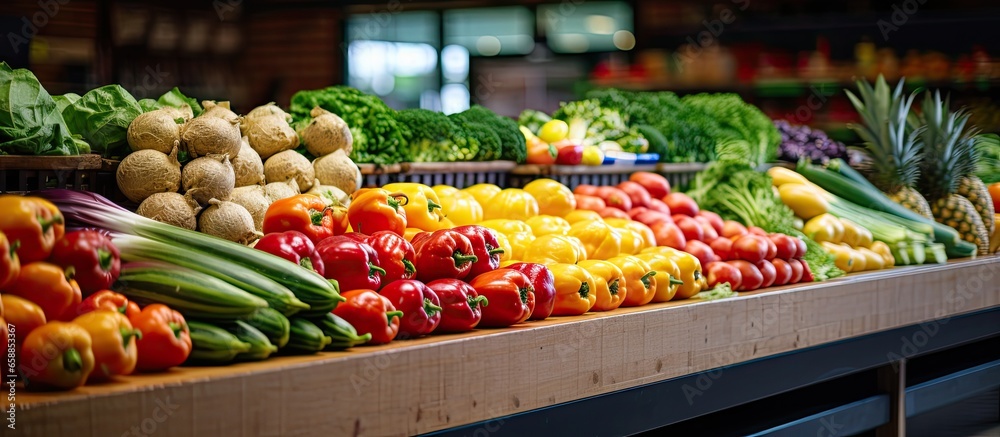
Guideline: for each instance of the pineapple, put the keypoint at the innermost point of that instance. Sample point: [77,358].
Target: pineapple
[973,188]
[949,157]
[892,161]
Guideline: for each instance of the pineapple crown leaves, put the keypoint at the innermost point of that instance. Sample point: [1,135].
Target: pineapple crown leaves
[889,142]
[949,148]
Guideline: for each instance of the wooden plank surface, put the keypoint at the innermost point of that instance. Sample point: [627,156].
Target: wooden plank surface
[90,161]
[439,382]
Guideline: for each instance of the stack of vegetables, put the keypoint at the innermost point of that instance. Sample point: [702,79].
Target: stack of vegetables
[230,168]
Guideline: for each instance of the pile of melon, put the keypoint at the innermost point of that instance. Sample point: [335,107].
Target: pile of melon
[218,172]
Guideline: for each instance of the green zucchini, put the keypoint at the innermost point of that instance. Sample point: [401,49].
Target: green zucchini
[341,332]
[306,337]
[193,294]
[273,324]
[211,344]
[260,346]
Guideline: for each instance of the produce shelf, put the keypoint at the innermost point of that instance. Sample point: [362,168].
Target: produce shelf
[443,382]
[573,175]
[87,172]
[457,174]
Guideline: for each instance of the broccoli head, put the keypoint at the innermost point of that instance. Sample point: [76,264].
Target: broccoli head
[433,137]
[512,145]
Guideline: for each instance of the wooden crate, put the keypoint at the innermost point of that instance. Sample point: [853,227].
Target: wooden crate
[457,174]
[90,172]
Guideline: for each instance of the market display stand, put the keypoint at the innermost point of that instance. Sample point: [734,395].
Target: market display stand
[495,379]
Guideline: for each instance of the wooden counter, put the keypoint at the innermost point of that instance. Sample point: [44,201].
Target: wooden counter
[429,384]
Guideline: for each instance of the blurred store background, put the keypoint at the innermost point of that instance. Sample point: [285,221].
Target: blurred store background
[790,58]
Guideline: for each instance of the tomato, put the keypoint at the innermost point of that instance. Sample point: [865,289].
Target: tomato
[995,194]
[723,247]
[772,249]
[768,271]
[668,234]
[658,205]
[587,190]
[613,212]
[714,219]
[636,210]
[553,130]
[797,270]
[591,203]
[749,248]
[708,231]
[701,251]
[719,272]
[680,203]
[784,245]
[649,218]
[782,271]
[615,198]
[757,231]
[657,185]
[800,247]
[752,278]
[636,192]
[692,229]
[732,228]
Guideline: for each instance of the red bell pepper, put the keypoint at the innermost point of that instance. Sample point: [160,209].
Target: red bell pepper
[570,155]
[512,299]
[395,255]
[357,236]
[485,247]
[166,340]
[304,213]
[420,306]
[443,254]
[94,258]
[352,263]
[461,305]
[370,313]
[10,264]
[543,282]
[108,300]
[376,209]
[295,247]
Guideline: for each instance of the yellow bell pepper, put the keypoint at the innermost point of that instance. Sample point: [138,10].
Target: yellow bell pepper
[843,256]
[576,289]
[631,241]
[601,240]
[512,203]
[803,200]
[781,176]
[505,226]
[581,215]
[553,197]
[824,227]
[547,224]
[873,261]
[647,235]
[519,243]
[639,277]
[667,275]
[504,243]
[411,232]
[690,269]
[855,235]
[483,192]
[883,250]
[611,286]
[423,207]
[444,190]
[461,208]
[554,248]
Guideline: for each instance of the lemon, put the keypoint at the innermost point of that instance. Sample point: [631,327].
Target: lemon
[592,155]
[553,130]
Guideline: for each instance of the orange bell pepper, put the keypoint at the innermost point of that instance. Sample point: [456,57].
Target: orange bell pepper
[307,214]
[34,224]
[575,287]
[639,277]
[423,210]
[553,197]
[10,264]
[600,240]
[611,287]
[548,224]
[25,315]
[378,210]
[113,340]
[49,286]
[552,248]
[166,338]
[667,275]
[57,355]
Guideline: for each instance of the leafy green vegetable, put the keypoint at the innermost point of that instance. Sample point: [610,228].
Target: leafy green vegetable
[378,136]
[65,100]
[738,120]
[482,135]
[102,116]
[533,119]
[590,122]
[175,98]
[30,122]
[149,105]
[988,169]
[512,143]
[433,137]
